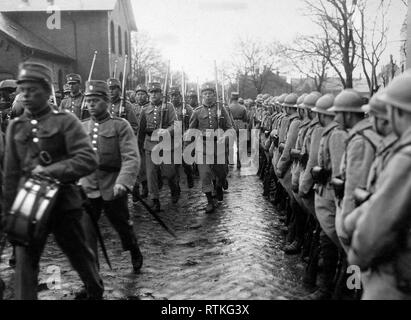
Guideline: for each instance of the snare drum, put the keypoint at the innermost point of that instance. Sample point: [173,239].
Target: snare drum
[29,218]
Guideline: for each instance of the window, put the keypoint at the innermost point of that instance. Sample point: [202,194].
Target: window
[126,42]
[120,43]
[112,38]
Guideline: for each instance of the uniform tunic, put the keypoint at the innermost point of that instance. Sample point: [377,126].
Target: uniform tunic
[73,104]
[381,241]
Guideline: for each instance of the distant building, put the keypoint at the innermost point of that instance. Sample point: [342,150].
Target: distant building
[86,26]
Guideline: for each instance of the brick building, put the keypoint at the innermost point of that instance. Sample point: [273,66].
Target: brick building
[85,26]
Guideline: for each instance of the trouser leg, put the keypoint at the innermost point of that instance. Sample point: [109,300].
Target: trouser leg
[70,235]
[220,173]
[27,270]
[152,176]
[118,214]
[206,177]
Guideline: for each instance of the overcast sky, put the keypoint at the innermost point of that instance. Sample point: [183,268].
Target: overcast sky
[194,33]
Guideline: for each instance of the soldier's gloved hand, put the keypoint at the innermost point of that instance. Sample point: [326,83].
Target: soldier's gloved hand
[39,170]
[119,191]
[162,132]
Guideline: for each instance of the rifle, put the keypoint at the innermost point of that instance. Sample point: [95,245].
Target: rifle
[198,93]
[115,68]
[165,95]
[217,96]
[83,103]
[183,92]
[121,111]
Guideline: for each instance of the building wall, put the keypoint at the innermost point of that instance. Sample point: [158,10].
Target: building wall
[119,18]
[11,56]
[80,35]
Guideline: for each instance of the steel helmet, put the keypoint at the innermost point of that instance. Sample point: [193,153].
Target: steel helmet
[348,100]
[324,104]
[291,100]
[311,100]
[398,93]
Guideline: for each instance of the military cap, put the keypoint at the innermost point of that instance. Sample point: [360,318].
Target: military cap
[154,86]
[324,104]
[290,100]
[376,107]
[66,88]
[112,82]
[141,88]
[348,100]
[192,93]
[208,87]
[235,95]
[398,93]
[8,85]
[73,78]
[96,87]
[175,91]
[300,100]
[33,71]
[311,100]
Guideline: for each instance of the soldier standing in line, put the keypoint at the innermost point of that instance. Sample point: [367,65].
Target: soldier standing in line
[70,156]
[120,108]
[141,97]
[115,144]
[74,102]
[239,113]
[378,113]
[284,172]
[380,243]
[207,118]
[160,117]
[324,199]
[183,115]
[361,147]
[66,91]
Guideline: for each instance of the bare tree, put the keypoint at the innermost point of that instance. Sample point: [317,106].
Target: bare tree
[334,17]
[256,61]
[308,55]
[146,59]
[372,40]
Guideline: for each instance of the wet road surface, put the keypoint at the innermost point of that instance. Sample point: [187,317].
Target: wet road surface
[232,254]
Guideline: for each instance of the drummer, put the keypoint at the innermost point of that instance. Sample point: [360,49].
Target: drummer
[54,144]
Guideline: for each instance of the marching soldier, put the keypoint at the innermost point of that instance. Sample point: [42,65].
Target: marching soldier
[361,146]
[7,90]
[183,115]
[206,118]
[66,91]
[74,102]
[120,108]
[116,146]
[160,117]
[380,243]
[193,99]
[141,97]
[53,144]
[239,113]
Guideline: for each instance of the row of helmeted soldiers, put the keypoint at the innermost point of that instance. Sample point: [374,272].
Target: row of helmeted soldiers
[339,168]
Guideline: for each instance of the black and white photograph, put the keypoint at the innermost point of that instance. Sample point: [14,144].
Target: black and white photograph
[223,152]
